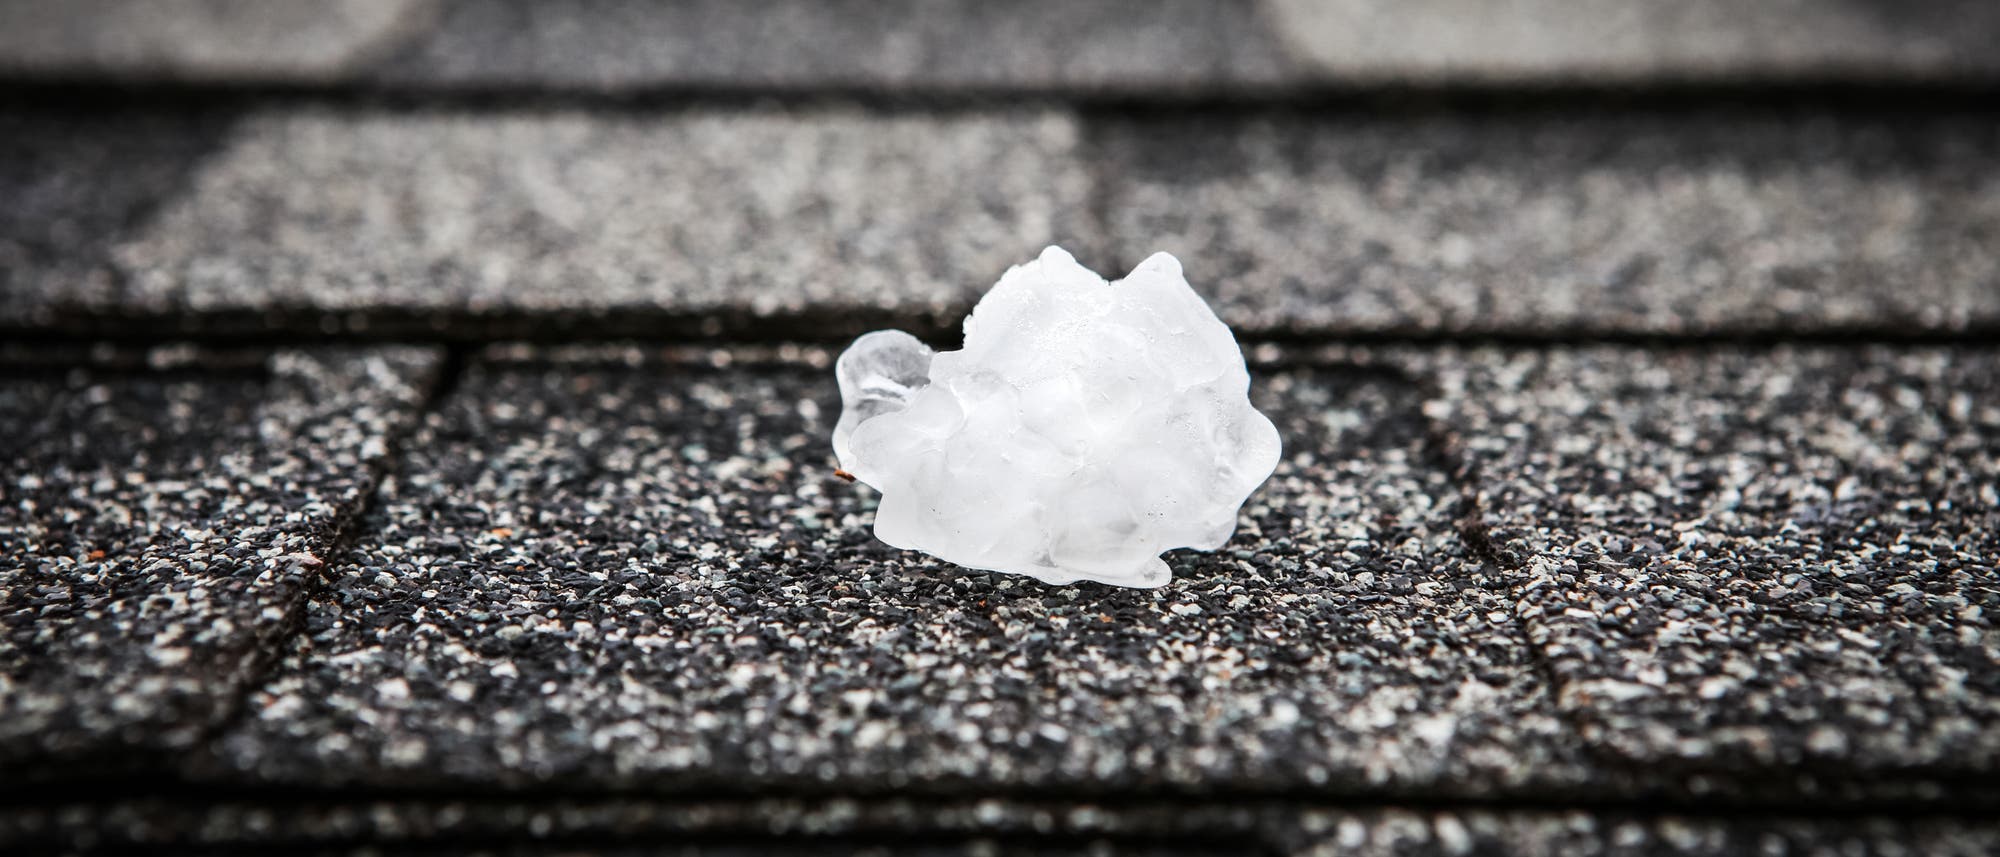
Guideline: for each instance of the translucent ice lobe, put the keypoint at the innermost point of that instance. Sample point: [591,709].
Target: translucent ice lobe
[1084,428]
[878,375]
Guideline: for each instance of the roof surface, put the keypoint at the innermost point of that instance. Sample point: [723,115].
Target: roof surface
[416,427]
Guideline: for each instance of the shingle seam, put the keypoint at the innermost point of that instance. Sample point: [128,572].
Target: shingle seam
[1518,558]
[349,532]
[1447,450]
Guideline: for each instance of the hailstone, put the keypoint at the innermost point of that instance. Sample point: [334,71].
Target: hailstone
[1084,428]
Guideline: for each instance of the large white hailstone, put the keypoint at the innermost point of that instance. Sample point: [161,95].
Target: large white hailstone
[1085,427]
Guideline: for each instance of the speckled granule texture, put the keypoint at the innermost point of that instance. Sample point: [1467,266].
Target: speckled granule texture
[980,828]
[645,574]
[1569,221]
[1635,364]
[162,522]
[921,45]
[1738,559]
[1555,834]
[74,183]
[814,222]
[752,212]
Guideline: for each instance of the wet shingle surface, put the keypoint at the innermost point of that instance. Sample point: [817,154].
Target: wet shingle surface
[647,224]
[1739,559]
[646,575]
[163,523]
[1569,223]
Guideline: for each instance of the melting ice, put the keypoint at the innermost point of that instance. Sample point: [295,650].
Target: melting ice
[1085,427]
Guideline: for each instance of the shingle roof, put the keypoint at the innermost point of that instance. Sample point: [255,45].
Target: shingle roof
[688,218]
[1126,47]
[641,572]
[1735,559]
[164,523]
[1570,221]
[415,422]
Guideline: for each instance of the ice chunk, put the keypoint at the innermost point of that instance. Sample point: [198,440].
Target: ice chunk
[878,375]
[1084,428]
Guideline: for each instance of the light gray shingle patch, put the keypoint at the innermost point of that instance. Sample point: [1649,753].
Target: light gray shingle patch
[630,222]
[207,40]
[75,183]
[1556,833]
[934,827]
[1597,42]
[1754,560]
[161,522]
[1567,222]
[635,573]
[902,45]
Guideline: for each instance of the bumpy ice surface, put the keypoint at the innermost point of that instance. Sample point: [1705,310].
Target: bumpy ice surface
[1085,427]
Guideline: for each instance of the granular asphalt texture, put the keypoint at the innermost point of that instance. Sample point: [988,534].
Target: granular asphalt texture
[391,219]
[415,427]
[164,523]
[611,569]
[1570,222]
[994,827]
[1740,558]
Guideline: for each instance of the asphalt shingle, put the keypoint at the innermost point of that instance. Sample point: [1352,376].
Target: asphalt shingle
[162,522]
[1554,833]
[76,183]
[1738,560]
[1192,47]
[813,222]
[203,40]
[988,827]
[1569,221]
[1521,599]
[822,223]
[1173,48]
[892,45]
[1605,42]
[643,574]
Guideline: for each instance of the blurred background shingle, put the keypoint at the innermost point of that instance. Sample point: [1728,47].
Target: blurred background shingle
[206,40]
